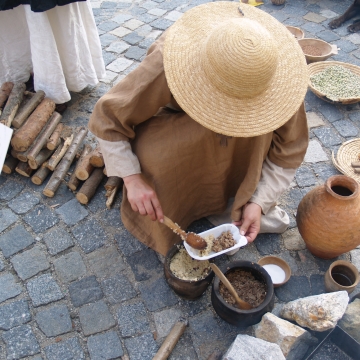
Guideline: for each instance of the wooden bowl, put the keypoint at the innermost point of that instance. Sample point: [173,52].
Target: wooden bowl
[322,65]
[298,33]
[274,260]
[321,49]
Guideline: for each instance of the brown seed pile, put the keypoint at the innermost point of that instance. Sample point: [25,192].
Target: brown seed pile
[311,50]
[224,241]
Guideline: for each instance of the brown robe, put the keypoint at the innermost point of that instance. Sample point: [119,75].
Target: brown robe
[192,174]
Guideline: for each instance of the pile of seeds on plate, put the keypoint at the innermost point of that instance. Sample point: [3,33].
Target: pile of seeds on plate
[337,82]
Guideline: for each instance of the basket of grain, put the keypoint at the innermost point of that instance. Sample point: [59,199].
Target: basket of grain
[316,49]
[335,82]
[298,33]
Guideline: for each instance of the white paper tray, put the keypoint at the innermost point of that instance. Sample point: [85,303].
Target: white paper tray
[216,231]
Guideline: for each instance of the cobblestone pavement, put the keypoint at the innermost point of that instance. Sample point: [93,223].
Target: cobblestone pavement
[74,284]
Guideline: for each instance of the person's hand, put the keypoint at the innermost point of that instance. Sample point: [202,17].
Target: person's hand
[142,197]
[250,221]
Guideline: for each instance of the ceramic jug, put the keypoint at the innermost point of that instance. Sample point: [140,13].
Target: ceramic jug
[328,217]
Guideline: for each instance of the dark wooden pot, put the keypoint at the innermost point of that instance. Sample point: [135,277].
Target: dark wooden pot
[189,290]
[234,315]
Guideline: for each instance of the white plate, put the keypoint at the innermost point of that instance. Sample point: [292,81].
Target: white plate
[217,231]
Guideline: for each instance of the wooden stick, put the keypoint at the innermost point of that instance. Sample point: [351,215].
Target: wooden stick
[96,158]
[111,197]
[113,182]
[26,135]
[24,169]
[171,340]
[12,104]
[22,156]
[105,172]
[41,174]
[5,91]
[74,182]
[41,157]
[64,165]
[25,111]
[54,140]
[10,164]
[43,137]
[58,155]
[89,187]
[84,168]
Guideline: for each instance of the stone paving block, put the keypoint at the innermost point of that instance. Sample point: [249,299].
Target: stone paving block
[314,120]
[14,314]
[95,318]
[133,24]
[118,289]
[58,240]
[297,287]
[54,320]
[119,65]
[144,264]
[142,347]
[346,128]
[123,5]
[2,266]
[110,76]
[105,346]
[312,28]
[184,349]
[72,212]
[24,202]
[173,15]
[121,18]
[280,16]
[324,171]
[294,22]
[315,153]
[41,218]
[69,349]
[7,218]
[118,47]
[69,267]
[354,116]
[328,136]
[108,25]
[146,43]
[133,38]
[328,13]
[85,291]
[316,18]
[120,31]
[89,235]
[87,105]
[146,18]
[346,46]
[30,262]
[317,283]
[9,288]
[293,240]
[268,244]
[100,90]
[105,262]
[107,39]
[63,193]
[10,189]
[135,53]
[157,12]
[43,290]
[154,34]
[15,240]
[161,24]
[144,30]
[330,111]
[157,294]
[20,342]
[355,257]
[305,176]
[2,179]
[133,319]
[108,5]
[149,5]
[165,320]
[108,58]
[112,218]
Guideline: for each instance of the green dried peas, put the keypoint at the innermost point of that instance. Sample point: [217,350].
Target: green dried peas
[337,82]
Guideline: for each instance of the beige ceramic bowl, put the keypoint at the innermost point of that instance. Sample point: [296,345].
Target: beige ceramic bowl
[274,260]
[322,48]
[298,33]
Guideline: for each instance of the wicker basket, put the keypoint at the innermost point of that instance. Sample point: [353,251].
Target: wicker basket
[278,2]
[317,67]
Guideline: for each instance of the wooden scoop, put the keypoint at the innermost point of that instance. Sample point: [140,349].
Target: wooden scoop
[194,240]
[241,304]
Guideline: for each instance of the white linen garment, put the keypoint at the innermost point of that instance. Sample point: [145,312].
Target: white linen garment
[61,46]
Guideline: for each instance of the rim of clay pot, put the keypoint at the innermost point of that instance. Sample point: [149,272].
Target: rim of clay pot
[345,182]
[246,265]
[349,265]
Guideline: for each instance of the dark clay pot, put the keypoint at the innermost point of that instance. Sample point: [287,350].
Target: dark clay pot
[234,315]
[189,290]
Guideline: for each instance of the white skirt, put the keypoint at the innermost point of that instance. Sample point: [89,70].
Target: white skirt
[61,47]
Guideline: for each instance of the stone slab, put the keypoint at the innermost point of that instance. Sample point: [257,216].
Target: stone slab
[7,218]
[9,288]
[72,212]
[142,347]
[66,349]
[70,267]
[85,291]
[58,240]
[315,153]
[24,202]
[105,346]
[14,314]
[15,240]
[41,218]
[118,289]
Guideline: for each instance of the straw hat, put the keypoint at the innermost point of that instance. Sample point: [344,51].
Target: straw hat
[237,75]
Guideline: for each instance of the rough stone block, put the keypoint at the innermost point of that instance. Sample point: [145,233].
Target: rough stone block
[346,128]
[314,120]
[133,319]
[15,240]
[305,176]
[108,25]
[128,244]
[120,31]
[95,318]
[135,53]
[118,289]
[58,240]
[268,243]
[69,267]
[165,320]
[105,346]
[85,291]
[41,218]
[7,218]
[350,322]
[24,202]
[315,153]
[14,314]
[10,189]
[296,287]
[118,46]
[141,347]
[119,65]
[72,212]
[67,349]
[293,240]
[9,288]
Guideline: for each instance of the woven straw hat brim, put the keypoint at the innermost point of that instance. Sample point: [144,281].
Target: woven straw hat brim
[348,152]
[205,103]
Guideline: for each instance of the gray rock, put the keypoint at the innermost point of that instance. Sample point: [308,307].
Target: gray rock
[72,212]
[41,218]
[164,321]
[69,349]
[350,322]
[54,320]
[85,291]
[15,240]
[118,289]
[10,189]
[315,153]
[292,339]
[141,347]
[20,342]
[14,314]
[7,217]
[95,318]
[9,288]
[293,240]
[58,240]
[246,347]
[24,202]
[105,346]
[30,263]
[43,290]
[317,312]
[69,267]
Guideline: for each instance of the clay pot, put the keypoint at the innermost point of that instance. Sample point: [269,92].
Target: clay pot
[189,290]
[341,275]
[328,217]
[234,315]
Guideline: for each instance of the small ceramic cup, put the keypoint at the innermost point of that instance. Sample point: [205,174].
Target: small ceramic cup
[341,275]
